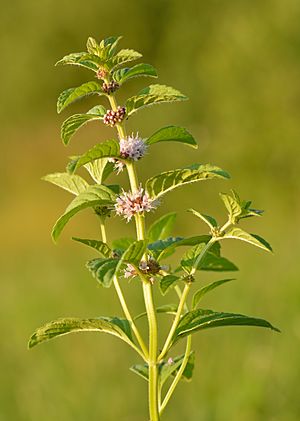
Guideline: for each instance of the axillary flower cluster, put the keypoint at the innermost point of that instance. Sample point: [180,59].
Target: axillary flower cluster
[144,256]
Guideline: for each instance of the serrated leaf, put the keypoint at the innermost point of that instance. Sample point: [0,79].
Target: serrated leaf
[209,220]
[207,288]
[99,169]
[73,94]
[233,206]
[162,227]
[167,282]
[153,94]
[122,75]
[172,134]
[73,123]
[89,61]
[255,240]
[114,326]
[103,270]
[124,56]
[93,47]
[72,183]
[94,196]
[98,245]
[108,149]
[199,319]
[163,183]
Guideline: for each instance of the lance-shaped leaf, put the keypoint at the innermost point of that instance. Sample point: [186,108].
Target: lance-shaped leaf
[124,56]
[121,244]
[93,196]
[169,180]
[108,149]
[98,245]
[73,123]
[172,134]
[93,47]
[153,94]
[167,368]
[255,240]
[112,325]
[167,282]
[134,253]
[73,94]
[103,270]
[89,61]
[209,220]
[122,75]
[72,183]
[162,227]
[99,169]
[199,319]
[165,248]
[207,288]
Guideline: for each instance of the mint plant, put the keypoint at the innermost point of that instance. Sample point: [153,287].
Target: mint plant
[144,259]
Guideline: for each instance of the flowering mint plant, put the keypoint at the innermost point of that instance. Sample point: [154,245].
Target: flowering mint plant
[144,259]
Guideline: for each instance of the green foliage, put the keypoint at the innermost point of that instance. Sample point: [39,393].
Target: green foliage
[71,95]
[134,253]
[172,134]
[207,288]
[255,240]
[162,183]
[112,325]
[123,75]
[99,169]
[98,245]
[91,197]
[209,220]
[76,121]
[72,183]
[199,319]
[103,270]
[162,227]
[153,94]
[238,209]
[167,282]
[89,61]
[124,56]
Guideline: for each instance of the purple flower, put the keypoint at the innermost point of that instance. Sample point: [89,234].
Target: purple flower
[129,204]
[133,147]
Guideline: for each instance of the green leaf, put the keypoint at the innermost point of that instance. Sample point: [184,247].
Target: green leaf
[162,248]
[122,75]
[255,240]
[108,149]
[93,47]
[114,326]
[99,169]
[134,253]
[163,183]
[73,94]
[93,196]
[233,206]
[122,243]
[215,263]
[89,61]
[172,134]
[98,245]
[153,94]
[207,288]
[103,270]
[199,319]
[167,282]
[73,123]
[162,227]
[209,220]
[72,183]
[124,56]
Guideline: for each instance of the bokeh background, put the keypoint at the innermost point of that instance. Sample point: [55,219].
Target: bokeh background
[239,62]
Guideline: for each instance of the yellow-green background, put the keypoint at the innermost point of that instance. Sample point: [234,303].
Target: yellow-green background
[239,62]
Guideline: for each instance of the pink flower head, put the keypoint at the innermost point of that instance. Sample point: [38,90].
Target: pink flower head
[133,147]
[129,204]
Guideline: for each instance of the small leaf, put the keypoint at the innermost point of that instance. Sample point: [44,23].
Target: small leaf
[103,270]
[122,75]
[162,227]
[207,288]
[153,94]
[73,123]
[93,47]
[215,263]
[107,149]
[134,253]
[98,245]
[209,220]
[255,240]
[114,326]
[162,248]
[233,206]
[73,94]
[93,196]
[163,183]
[89,61]
[72,183]
[167,282]
[199,319]
[99,169]
[124,56]
[122,243]
[172,134]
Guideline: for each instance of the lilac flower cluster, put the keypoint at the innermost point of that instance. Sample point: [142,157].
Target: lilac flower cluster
[149,267]
[133,147]
[129,204]
[112,117]
[110,87]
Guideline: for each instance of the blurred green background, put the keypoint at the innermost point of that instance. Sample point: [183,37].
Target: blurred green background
[239,62]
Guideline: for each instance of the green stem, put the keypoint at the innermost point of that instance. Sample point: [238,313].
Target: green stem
[175,321]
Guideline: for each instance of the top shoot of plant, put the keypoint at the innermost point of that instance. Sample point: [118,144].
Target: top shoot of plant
[145,258]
